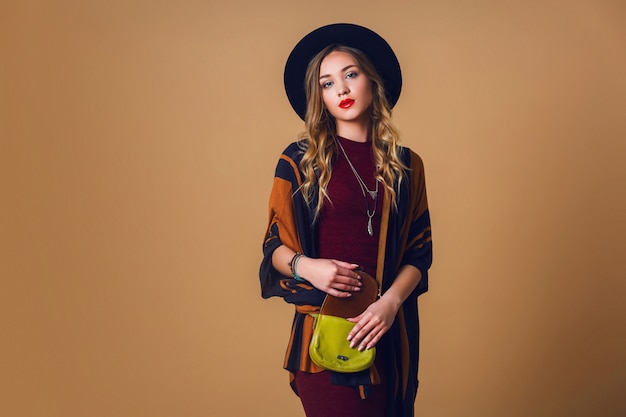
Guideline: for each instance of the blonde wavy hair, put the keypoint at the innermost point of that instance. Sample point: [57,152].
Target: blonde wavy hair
[318,140]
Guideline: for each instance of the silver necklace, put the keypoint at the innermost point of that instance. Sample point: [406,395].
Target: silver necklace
[372,193]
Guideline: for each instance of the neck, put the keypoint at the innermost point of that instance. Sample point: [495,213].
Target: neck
[354,131]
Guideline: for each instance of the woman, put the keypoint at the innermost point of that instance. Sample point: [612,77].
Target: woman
[348,198]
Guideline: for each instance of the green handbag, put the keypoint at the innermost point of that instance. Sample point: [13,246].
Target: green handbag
[329,347]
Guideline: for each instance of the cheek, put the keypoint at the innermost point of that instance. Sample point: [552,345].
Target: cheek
[367,93]
[326,98]
[366,88]
[328,102]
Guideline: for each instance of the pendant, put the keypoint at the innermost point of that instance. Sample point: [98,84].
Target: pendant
[370,229]
[373,194]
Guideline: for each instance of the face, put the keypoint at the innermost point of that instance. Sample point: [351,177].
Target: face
[346,90]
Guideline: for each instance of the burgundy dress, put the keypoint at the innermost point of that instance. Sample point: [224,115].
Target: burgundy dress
[343,236]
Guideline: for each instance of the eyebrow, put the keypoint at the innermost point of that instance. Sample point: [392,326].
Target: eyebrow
[342,70]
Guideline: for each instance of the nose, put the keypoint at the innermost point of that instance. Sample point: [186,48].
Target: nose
[342,89]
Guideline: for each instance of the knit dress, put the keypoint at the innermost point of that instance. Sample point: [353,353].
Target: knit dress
[343,236]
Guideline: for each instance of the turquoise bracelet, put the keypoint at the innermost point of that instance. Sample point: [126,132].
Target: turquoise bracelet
[294,264]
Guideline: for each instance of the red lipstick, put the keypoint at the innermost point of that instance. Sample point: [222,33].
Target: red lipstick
[347,103]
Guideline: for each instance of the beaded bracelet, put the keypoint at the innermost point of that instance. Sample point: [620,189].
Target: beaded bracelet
[294,263]
[290,264]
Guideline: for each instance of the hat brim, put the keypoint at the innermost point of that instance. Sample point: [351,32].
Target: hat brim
[367,41]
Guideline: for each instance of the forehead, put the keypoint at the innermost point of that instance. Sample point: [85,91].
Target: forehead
[336,61]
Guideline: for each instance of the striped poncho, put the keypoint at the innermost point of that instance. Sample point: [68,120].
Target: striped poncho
[405,238]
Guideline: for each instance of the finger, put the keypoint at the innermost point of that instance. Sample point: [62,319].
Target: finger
[347,287]
[362,320]
[368,344]
[347,265]
[349,279]
[368,327]
[355,320]
[359,337]
[376,337]
[352,274]
[356,327]
[370,339]
[339,294]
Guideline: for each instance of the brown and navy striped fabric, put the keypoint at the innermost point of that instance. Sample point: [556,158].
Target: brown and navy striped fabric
[405,239]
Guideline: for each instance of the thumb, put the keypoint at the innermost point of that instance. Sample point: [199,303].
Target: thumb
[355,319]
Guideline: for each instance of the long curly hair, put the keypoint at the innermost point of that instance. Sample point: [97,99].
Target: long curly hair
[318,140]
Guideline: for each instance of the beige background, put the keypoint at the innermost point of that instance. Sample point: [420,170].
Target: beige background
[138,141]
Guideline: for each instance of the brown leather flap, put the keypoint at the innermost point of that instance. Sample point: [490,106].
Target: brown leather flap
[354,305]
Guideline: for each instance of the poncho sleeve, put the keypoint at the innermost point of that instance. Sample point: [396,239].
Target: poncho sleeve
[289,224]
[418,250]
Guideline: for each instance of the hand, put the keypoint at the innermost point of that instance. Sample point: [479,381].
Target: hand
[334,277]
[372,324]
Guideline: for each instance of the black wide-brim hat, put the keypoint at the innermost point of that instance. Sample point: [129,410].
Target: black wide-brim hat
[367,41]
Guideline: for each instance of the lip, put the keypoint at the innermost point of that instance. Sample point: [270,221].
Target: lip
[346,103]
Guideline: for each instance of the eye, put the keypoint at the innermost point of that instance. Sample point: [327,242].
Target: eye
[351,74]
[327,84]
